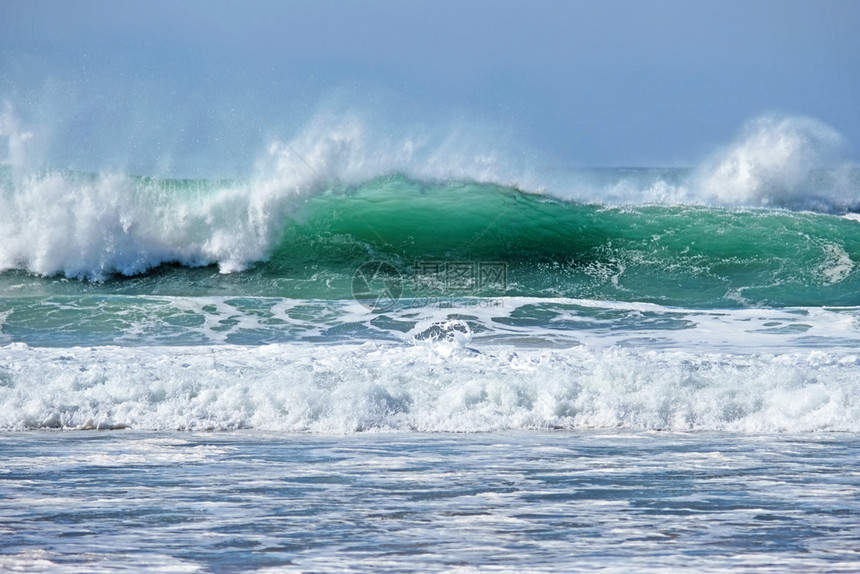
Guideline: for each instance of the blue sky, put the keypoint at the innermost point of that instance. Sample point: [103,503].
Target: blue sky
[187,87]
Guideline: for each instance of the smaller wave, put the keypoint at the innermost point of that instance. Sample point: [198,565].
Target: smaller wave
[434,386]
[531,322]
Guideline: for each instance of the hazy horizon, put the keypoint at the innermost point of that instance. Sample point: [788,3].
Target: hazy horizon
[188,89]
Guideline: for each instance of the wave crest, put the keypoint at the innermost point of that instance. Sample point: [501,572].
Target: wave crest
[778,161]
[95,225]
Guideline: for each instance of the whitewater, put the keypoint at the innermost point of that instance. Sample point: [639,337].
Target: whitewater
[414,354]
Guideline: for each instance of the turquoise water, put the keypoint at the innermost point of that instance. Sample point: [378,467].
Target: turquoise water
[625,371]
[191,238]
[399,303]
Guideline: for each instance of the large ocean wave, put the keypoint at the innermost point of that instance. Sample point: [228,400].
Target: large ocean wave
[309,245]
[768,219]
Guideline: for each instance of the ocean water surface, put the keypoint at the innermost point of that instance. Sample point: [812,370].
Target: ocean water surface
[400,367]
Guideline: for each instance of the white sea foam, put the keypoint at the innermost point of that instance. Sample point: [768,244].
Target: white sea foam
[350,148]
[15,136]
[777,161]
[441,385]
[92,227]
[526,322]
[838,264]
[791,162]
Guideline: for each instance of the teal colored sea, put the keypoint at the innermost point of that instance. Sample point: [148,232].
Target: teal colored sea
[336,300]
[346,363]
[122,235]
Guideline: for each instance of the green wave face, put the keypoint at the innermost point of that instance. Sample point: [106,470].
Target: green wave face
[460,239]
[691,256]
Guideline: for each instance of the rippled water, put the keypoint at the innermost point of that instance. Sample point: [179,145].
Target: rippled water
[619,501]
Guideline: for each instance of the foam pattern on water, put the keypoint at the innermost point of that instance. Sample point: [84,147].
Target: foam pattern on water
[517,321]
[441,384]
[608,501]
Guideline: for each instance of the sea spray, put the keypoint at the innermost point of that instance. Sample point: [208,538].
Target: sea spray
[778,161]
